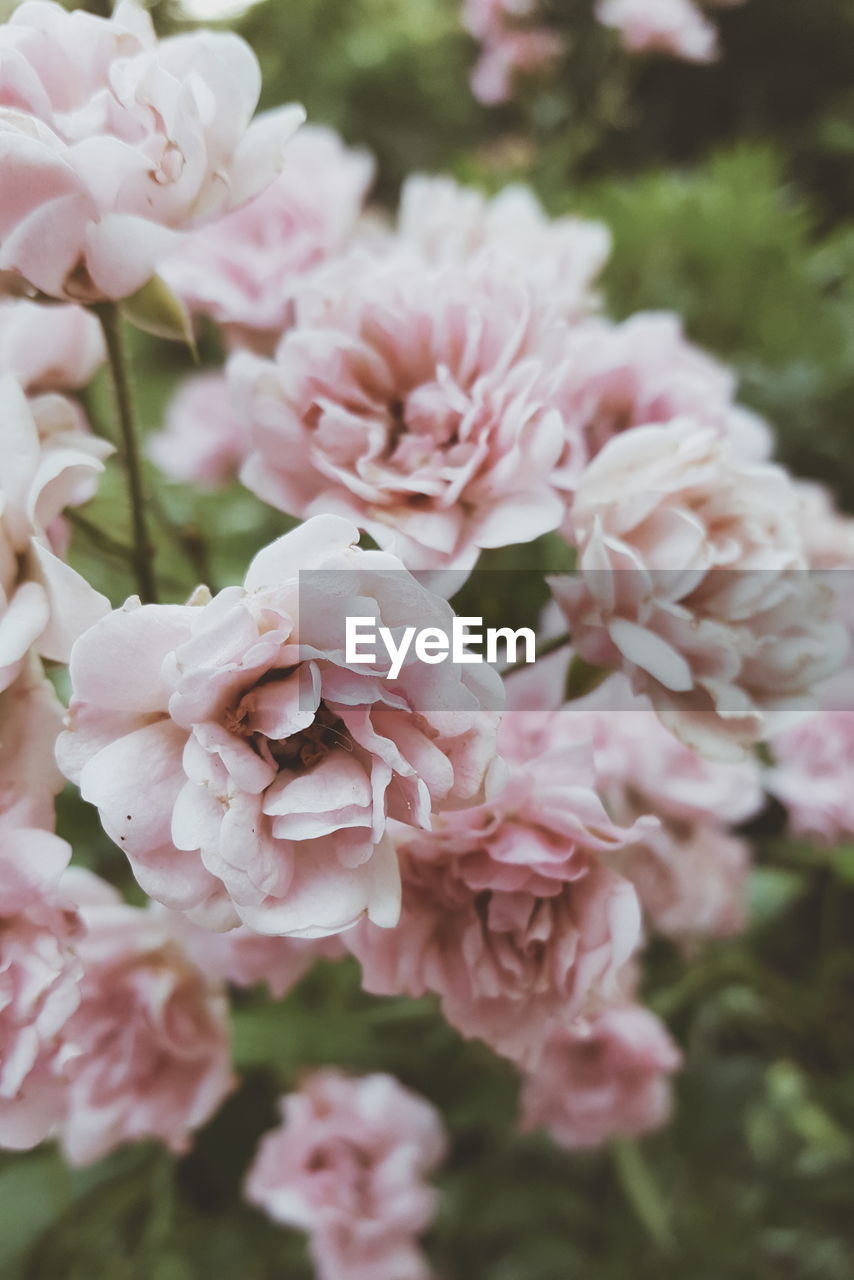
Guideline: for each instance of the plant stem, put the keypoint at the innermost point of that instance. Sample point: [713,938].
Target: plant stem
[142,553]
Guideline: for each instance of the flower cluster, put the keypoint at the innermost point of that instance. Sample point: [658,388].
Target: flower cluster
[446,383]
[517,41]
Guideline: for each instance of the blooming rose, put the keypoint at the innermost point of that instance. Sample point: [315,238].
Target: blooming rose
[644,371]
[39,985]
[561,258]
[30,720]
[246,770]
[606,1079]
[150,1035]
[203,441]
[690,872]
[49,348]
[691,579]
[43,603]
[812,775]
[348,1166]
[111,141]
[242,269]
[420,402]
[507,913]
[675,27]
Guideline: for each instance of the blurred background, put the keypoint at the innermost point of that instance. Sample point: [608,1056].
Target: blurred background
[729,190]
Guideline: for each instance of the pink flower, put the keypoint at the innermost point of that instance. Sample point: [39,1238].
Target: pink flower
[44,604]
[242,269]
[604,1080]
[203,441]
[150,1036]
[828,534]
[507,913]
[420,402]
[30,720]
[49,348]
[110,142]
[348,1165]
[691,580]
[38,983]
[674,27]
[246,770]
[690,872]
[247,959]
[511,54]
[513,45]
[644,371]
[449,225]
[812,775]
[828,537]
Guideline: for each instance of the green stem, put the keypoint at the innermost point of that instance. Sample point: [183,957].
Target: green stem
[142,554]
[642,1192]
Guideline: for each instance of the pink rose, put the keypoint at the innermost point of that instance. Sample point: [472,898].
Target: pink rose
[507,913]
[44,604]
[30,721]
[644,371]
[505,963]
[203,441]
[348,1165]
[510,54]
[242,269]
[690,872]
[674,27]
[150,1036]
[812,775]
[247,771]
[49,348]
[38,983]
[513,45]
[561,258]
[420,402]
[691,579]
[604,1080]
[110,142]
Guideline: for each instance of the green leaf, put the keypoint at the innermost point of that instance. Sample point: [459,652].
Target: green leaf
[770,890]
[157,310]
[842,861]
[642,1192]
[34,1191]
